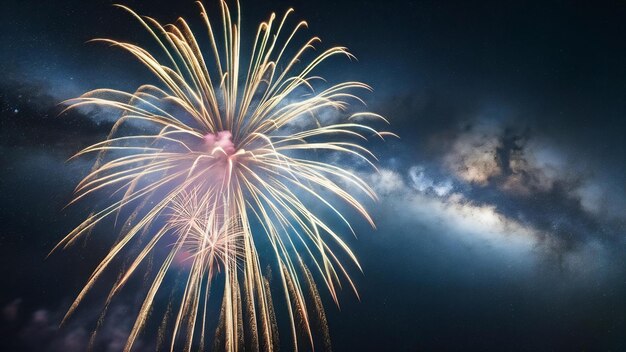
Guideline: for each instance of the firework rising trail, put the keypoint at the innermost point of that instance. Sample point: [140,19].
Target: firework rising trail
[213,151]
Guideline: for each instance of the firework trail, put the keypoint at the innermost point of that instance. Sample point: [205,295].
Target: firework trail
[211,152]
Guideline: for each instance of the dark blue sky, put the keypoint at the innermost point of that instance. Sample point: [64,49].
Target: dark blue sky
[502,216]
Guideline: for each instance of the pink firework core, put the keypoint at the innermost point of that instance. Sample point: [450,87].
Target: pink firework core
[183,258]
[220,143]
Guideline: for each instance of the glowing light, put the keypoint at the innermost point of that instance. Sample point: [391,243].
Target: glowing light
[213,158]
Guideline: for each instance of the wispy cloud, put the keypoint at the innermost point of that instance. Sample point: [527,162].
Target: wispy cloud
[447,207]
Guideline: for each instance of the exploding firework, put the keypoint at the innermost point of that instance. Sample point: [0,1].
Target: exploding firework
[214,160]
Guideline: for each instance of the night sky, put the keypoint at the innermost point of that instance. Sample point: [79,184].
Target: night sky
[502,212]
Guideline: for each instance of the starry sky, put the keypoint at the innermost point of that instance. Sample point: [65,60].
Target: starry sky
[502,212]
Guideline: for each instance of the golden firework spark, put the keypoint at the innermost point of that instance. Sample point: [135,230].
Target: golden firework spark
[213,151]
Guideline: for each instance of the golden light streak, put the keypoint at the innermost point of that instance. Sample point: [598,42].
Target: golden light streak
[214,151]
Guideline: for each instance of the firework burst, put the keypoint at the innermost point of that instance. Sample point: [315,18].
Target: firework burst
[213,160]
